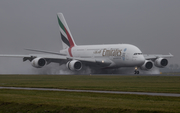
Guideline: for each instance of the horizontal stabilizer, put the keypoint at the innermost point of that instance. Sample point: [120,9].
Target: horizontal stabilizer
[41,51]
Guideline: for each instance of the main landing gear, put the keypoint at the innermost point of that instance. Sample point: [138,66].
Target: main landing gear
[136,71]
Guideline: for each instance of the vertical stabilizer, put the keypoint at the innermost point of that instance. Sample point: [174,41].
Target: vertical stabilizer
[66,36]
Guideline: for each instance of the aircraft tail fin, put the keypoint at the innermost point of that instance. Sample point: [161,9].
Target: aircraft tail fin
[66,36]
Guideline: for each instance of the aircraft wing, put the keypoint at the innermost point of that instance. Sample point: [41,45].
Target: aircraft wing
[48,57]
[155,56]
[15,56]
[103,62]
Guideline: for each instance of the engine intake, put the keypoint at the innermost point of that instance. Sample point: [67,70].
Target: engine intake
[161,62]
[74,65]
[147,65]
[38,62]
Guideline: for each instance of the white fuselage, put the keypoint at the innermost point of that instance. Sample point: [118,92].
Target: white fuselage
[120,55]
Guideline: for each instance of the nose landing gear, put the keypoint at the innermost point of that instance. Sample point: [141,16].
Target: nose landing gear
[136,71]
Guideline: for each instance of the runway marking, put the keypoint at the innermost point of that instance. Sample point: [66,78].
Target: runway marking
[95,91]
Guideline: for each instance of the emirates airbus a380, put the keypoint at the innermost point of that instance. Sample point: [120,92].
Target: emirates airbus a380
[111,56]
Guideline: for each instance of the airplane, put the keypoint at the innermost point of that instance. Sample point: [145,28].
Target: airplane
[107,56]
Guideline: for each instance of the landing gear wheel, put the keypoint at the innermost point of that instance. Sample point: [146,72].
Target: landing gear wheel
[136,72]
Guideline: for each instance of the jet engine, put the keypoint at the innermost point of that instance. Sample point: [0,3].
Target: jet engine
[161,62]
[148,64]
[38,62]
[74,65]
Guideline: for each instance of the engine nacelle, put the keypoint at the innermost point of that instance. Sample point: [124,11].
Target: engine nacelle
[38,62]
[148,64]
[74,65]
[161,62]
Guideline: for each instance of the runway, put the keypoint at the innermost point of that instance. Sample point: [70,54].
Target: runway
[95,91]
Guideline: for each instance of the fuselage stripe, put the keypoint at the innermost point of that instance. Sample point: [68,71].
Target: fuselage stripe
[61,24]
[71,43]
[64,39]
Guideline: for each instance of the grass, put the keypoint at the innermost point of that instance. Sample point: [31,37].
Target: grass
[23,101]
[67,102]
[161,84]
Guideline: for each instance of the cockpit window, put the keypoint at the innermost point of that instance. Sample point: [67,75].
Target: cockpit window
[137,53]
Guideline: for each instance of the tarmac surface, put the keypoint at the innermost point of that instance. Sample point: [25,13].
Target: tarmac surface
[95,91]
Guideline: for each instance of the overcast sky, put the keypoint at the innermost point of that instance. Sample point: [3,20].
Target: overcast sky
[151,25]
